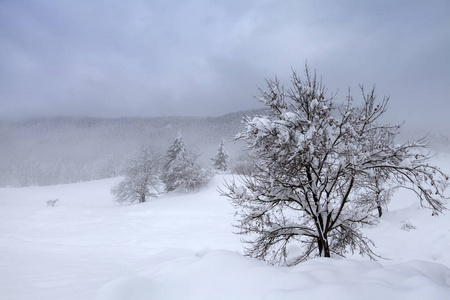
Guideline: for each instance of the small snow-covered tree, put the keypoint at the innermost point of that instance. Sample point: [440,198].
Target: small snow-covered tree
[243,164]
[181,169]
[193,175]
[222,159]
[142,171]
[322,172]
[174,164]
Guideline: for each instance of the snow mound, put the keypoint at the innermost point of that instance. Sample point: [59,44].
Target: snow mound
[229,275]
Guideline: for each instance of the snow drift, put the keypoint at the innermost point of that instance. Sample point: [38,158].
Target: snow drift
[182,246]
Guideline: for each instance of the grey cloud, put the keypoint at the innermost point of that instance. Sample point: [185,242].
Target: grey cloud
[111,58]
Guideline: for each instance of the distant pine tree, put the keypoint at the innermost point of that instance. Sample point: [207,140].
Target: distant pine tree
[175,163]
[181,170]
[222,159]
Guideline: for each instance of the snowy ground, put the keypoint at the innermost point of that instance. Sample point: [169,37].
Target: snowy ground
[182,247]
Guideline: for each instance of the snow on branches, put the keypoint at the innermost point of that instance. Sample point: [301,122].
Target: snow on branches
[141,177]
[323,171]
[181,169]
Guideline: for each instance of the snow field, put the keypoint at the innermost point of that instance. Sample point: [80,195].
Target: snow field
[182,246]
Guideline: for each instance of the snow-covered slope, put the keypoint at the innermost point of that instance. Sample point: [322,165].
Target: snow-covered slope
[182,247]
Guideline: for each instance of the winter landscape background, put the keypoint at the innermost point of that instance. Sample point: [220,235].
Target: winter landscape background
[85,84]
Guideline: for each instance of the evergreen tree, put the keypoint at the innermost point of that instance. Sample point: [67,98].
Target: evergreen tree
[222,159]
[181,169]
[175,164]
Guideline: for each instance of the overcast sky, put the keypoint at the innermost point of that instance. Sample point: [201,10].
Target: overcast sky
[149,58]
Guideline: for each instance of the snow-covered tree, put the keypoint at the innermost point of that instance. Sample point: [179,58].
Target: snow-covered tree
[181,169]
[322,171]
[142,171]
[243,164]
[174,164]
[222,159]
[192,175]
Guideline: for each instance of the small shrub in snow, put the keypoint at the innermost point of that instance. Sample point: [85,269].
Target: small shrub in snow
[323,171]
[52,202]
[407,226]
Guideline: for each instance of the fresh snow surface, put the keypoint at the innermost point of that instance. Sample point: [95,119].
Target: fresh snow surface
[182,246]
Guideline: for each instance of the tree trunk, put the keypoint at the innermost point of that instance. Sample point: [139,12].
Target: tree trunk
[380,211]
[322,240]
[324,247]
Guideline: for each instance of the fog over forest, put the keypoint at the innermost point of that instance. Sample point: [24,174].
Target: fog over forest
[46,151]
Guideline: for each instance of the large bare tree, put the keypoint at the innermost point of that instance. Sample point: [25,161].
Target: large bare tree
[323,171]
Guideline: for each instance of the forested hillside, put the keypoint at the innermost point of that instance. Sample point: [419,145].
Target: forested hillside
[49,151]
[64,150]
